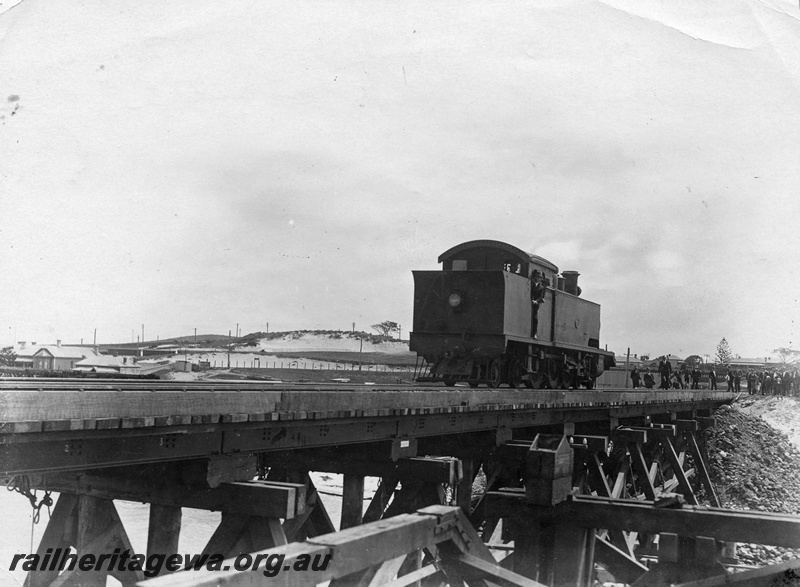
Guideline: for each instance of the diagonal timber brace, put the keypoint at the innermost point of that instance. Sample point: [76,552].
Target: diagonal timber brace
[446,530]
[642,516]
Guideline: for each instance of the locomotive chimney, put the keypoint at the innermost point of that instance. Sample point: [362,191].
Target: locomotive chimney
[571,282]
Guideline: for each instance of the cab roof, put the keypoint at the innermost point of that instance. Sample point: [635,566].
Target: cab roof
[521,255]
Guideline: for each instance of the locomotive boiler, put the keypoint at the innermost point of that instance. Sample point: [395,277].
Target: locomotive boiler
[475,321]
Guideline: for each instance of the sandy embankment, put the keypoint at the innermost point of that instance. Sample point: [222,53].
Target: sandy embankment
[344,342]
[782,413]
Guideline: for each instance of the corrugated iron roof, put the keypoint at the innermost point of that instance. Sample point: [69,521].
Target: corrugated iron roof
[66,352]
[106,361]
[88,369]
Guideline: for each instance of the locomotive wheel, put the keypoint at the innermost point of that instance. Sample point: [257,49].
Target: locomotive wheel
[536,381]
[515,373]
[495,374]
[473,384]
[450,382]
[554,375]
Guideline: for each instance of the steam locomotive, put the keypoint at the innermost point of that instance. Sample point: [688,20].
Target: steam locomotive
[475,321]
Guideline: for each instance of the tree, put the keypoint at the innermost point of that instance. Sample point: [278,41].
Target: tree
[724,354]
[386,327]
[787,355]
[7,356]
[693,361]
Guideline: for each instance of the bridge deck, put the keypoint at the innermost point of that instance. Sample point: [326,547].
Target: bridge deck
[71,425]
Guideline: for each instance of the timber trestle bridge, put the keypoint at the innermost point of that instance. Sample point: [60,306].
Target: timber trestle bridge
[575,483]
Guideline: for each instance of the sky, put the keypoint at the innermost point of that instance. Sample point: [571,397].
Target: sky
[198,165]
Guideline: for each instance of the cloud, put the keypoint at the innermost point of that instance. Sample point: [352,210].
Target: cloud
[298,160]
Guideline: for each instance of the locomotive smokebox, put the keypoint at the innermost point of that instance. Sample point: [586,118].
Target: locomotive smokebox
[571,282]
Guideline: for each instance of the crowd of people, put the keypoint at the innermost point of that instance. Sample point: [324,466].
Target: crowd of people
[763,382]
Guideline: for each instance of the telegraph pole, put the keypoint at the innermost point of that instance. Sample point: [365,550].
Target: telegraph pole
[627,361]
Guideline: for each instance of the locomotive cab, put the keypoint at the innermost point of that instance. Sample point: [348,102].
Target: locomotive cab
[485,255]
[474,321]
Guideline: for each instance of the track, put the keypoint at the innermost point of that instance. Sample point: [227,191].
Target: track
[154,386]
[73,425]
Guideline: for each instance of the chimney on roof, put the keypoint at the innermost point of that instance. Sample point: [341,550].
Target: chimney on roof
[571,282]
[58,343]
[21,344]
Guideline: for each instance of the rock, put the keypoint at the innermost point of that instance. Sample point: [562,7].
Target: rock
[754,466]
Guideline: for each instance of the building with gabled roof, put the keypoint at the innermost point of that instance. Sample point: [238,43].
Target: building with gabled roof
[753,363]
[23,354]
[107,364]
[60,358]
[632,361]
[674,361]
